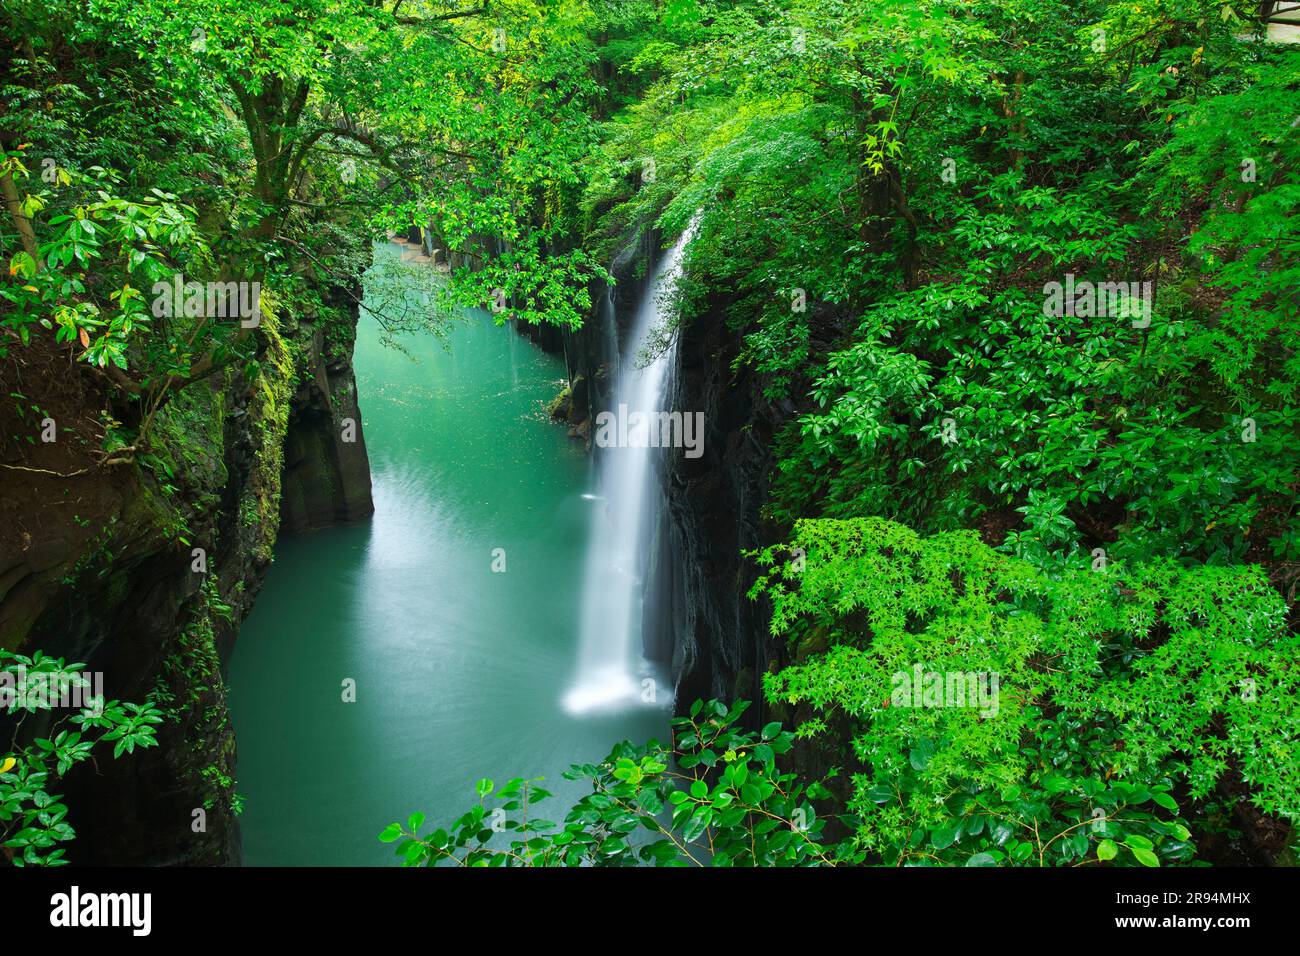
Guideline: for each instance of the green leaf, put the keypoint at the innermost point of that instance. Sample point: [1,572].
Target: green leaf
[921,755]
[943,837]
[1165,801]
[697,824]
[1144,856]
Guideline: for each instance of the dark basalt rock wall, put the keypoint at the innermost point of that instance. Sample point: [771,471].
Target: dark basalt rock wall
[592,352]
[326,468]
[720,647]
[722,644]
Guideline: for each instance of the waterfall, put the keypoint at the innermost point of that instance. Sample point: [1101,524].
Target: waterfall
[611,667]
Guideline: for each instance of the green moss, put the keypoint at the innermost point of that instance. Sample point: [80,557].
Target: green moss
[268,410]
[559,405]
[193,665]
[190,690]
[189,441]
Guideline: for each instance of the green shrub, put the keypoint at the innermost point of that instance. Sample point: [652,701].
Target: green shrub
[33,820]
[1115,688]
[715,798]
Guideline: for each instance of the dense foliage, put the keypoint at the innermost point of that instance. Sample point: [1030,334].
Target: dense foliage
[886,190]
[1027,272]
[1116,687]
[256,144]
[33,819]
[1024,274]
[1124,695]
[715,798]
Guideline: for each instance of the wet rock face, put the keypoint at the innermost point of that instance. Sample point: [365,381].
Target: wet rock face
[591,353]
[326,468]
[132,607]
[166,805]
[721,640]
[720,646]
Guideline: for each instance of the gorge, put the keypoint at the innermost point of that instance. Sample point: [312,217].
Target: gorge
[479,496]
[544,433]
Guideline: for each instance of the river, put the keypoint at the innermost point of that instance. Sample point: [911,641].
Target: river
[460,670]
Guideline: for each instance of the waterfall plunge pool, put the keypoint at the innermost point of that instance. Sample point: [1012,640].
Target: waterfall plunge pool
[460,671]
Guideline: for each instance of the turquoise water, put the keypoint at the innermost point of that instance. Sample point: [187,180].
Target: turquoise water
[459,670]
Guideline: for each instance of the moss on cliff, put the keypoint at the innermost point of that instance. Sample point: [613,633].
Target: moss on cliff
[105,569]
[189,438]
[268,409]
[192,692]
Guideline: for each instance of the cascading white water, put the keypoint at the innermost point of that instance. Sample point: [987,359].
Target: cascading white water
[611,667]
